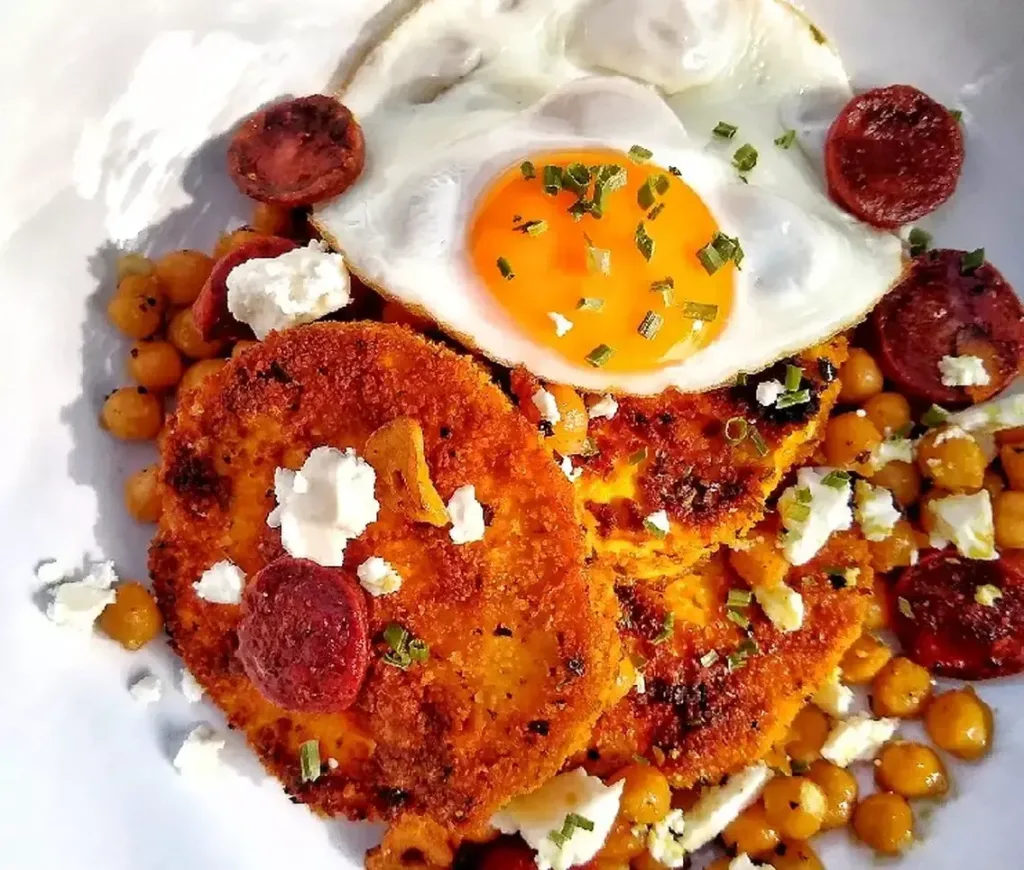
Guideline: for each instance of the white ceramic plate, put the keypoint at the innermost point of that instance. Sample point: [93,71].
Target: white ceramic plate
[112,117]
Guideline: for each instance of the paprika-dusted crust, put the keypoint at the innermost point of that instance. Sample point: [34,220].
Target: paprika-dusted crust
[522,646]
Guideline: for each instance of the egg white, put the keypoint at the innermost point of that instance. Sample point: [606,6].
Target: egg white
[463,89]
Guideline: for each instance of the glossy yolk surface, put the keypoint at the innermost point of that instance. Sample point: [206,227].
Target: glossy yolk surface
[551,271]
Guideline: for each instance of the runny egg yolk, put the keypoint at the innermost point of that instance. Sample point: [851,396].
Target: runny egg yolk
[539,259]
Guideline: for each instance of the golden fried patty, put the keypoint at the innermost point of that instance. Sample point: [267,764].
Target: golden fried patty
[522,645]
[717,697]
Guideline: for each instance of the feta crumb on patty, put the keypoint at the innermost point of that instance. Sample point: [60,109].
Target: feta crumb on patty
[768,392]
[378,577]
[545,403]
[812,510]
[834,696]
[606,406]
[783,606]
[466,515]
[568,470]
[221,583]
[658,522]
[963,371]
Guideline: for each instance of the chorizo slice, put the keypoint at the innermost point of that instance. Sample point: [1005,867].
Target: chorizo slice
[304,639]
[893,155]
[297,152]
[947,626]
[943,308]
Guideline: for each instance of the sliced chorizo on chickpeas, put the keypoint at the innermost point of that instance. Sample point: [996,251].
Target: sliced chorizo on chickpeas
[890,412]
[794,855]
[902,479]
[1011,456]
[912,770]
[751,832]
[133,618]
[850,439]
[137,307]
[807,734]
[840,789]
[865,658]
[132,414]
[182,275]
[646,796]
[795,806]
[952,459]
[183,333]
[860,376]
[885,822]
[1008,513]
[155,365]
[959,722]
[142,495]
[901,689]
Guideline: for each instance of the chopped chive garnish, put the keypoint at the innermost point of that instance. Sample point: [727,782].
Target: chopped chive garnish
[758,441]
[799,767]
[590,303]
[705,311]
[639,759]
[552,180]
[920,241]
[737,616]
[533,228]
[836,479]
[505,269]
[798,512]
[904,431]
[638,456]
[578,821]
[611,177]
[309,761]
[598,259]
[803,495]
[969,262]
[794,374]
[657,210]
[596,205]
[558,838]
[395,636]
[745,158]
[735,660]
[788,400]
[957,115]
[664,286]
[528,170]
[719,251]
[741,379]
[404,650]
[738,598]
[904,607]
[645,195]
[576,178]
[708,659]
[735,430]
[600,355]
[675,171]
[644,243]
[651,325]
[666,627]
[660,183]
[818,36]
[639,154]
[934,416]
[419,651]
[725,131]
[787,139]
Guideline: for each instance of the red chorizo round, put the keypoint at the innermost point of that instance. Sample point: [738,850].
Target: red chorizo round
[893,155]
[297,152]
[210,310]
[945,629]
[303,638]
[942,308]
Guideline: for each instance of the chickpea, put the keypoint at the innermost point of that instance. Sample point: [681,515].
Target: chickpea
[912,770]
[877,614]
[807,734]
[860,376]
[1009,519]
[901,689]
[142,495]
[959,722]
[198,372]
[993,482]
[795,806]
[184,335]
[1012,458]
[132,414]
[890,412]
[624,842]
[902,479]
[235,239]
[896,551]
[850,440]
[864,659]
[133,264]
[241,347]
[646,797]
[273,220]
[183,274]
[137,308]
[840,788]
[926,517]
[750,832]
[156,365]
[569,433]
[795,855]
[133,619]
[884,822]
[956,464]
[392,312]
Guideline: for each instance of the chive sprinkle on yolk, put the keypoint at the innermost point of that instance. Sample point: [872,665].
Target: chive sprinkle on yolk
[612,235]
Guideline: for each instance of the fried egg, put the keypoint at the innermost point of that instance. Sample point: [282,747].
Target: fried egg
[621,195]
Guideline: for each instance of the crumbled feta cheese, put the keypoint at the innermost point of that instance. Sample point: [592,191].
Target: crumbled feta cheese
[892,450]
[299,286]
[378,577]
[77,604]
[875,510]
[545,402]
[989,417]
[190,687]
[659,522]
[664,840]
[467,516]
[324,504]
[562,324]
[827,511]
[640,682]
[966,520]
[221,583]
[768,392]
[53,571]
[199,755]
[333,764]
[783,606]
[834,696]
[146,690]
[963,371]
[857,739]
[606,406]
[534,816]
[743,862]
[568,470]
[952,433]
[988,594]
[719,805]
